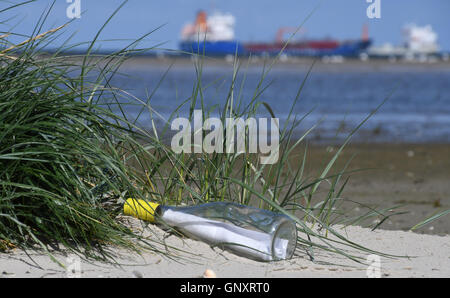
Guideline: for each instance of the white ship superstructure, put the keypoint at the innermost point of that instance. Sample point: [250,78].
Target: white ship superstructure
[216,27]
[421,40]
[418,42]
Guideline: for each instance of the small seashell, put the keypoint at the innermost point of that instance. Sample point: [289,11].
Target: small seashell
[209,274]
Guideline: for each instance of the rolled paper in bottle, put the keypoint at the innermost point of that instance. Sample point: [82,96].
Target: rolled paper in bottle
[255,244]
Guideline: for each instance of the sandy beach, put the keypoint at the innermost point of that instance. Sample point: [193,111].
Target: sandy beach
[413,175]
[421,256]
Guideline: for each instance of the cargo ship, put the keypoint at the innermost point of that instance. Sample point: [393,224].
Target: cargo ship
[310,47]
[211,36]
[419,42]
[214,36]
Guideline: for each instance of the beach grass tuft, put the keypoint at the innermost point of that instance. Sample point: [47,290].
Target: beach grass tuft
[63,151]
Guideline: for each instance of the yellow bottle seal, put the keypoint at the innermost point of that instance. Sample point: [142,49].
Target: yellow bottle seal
[140,209]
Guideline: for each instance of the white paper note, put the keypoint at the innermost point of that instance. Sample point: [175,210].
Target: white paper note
[243,241]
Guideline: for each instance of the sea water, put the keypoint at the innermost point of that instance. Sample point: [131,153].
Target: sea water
[337,97]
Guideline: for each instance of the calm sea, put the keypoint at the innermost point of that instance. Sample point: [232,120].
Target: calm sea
[337,96]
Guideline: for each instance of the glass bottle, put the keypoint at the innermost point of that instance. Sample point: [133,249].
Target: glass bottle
[250,232]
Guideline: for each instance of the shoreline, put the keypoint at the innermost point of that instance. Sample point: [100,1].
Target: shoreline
[420,256]
[348,64]
[413,175]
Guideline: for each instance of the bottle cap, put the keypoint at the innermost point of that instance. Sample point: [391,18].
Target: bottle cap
[140,209]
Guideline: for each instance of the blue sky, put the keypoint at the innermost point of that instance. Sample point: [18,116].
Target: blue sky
[256,20]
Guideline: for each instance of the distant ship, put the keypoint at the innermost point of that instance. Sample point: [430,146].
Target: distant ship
[418,42]
[214,36]
[310,47]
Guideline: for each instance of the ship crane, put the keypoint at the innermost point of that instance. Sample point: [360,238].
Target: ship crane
[279,38]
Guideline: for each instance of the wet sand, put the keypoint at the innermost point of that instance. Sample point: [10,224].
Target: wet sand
[416,176]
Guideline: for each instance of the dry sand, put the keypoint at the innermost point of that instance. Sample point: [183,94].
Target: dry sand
[427,256]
